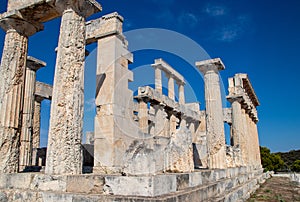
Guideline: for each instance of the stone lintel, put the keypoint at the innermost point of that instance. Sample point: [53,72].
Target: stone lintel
[213,64]
[154,97]
[34,64]
[249,90]
[107,25]
[164,66]
[35,10]
[14,20]
[43,90]
[241,83]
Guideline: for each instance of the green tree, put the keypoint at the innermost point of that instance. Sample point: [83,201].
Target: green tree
[296,166]
[270,161]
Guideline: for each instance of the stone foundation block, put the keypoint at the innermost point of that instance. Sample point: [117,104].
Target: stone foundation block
[140,186]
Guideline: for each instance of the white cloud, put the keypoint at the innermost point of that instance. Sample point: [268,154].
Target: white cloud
[188,19]
[234,30]
[215,10]
[184,20]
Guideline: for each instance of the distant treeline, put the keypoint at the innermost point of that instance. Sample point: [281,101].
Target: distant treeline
[280,161]
[290,158]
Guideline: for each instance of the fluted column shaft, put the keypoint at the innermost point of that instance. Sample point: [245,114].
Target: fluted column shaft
[26,132]
[237,128]
[171,91]
[36,124]
[181,93]
[214,113]
[158,80]
[36,130]
[12,76]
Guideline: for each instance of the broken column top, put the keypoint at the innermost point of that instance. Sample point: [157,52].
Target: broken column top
[164,66]
[34,63]
[212,64]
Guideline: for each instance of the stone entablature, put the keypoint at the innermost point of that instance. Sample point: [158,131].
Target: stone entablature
[240,88]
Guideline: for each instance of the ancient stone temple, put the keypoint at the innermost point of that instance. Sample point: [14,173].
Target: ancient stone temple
[144,147]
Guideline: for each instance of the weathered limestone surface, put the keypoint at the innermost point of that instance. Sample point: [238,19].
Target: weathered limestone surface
[12,81]
[107,25]
[244,119]
[42,91]
[179,152]
[65,132]
[232,184]
[26,139]
[214,112]
[159,66]
[114,127]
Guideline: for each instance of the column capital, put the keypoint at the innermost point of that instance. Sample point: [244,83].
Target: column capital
[212,65]
[235,98]
[180,83]
[34,64]
[13,20]
[84,8]
[38,98]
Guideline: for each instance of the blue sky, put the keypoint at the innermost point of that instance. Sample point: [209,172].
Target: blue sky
[260,38]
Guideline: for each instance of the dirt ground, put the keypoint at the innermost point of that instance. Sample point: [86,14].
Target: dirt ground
[277,189]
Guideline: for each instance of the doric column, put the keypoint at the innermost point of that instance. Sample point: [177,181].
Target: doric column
[143,116]
[257,150]
[171,91]
[64,154]
[181,92]
[36,122]
[245,153]
[12,81]
[32,65]
[214,112]
[237,127]
[158,81]
[36,129]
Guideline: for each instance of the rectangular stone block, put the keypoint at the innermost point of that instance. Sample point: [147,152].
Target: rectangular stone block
[19,180]
[140,186]
[43,182]
[195,179]
[85,184]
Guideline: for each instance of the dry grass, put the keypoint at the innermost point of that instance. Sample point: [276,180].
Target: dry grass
[275,189]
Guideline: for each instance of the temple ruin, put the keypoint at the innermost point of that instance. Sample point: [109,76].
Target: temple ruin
[145,147]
